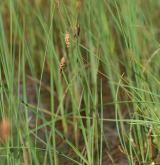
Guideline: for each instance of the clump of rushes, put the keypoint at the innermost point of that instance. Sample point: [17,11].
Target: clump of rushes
[5,128]
[62,64]
[67,40]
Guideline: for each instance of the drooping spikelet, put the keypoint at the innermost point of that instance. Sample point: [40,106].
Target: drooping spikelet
[67,40]
[5,128]
[62,64]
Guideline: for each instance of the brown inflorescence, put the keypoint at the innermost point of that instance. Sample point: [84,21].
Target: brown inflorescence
[62,64]
[67,40]
[78,5]
[77,31]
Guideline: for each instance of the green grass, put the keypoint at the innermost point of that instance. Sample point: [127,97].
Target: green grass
[110,80]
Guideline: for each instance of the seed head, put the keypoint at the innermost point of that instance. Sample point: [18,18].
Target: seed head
[62,64]
[78,4]
[77,30]
[67,40]
[57,3]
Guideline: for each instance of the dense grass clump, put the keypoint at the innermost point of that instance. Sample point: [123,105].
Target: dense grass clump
[79,82]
